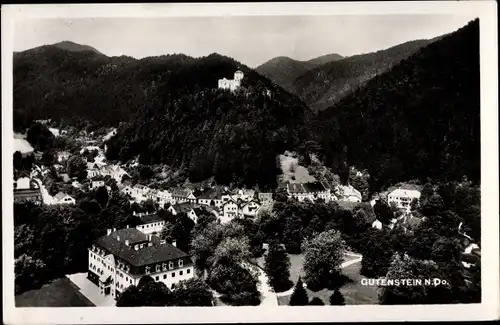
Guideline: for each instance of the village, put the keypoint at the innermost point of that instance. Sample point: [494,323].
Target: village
[112,264]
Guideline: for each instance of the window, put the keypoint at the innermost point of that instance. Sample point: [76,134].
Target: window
[170,265]
[130,281]
[173,285]
[158,268]
[181,263]
[188,271]
[180,272]
[173,274]
[164,276]
[157,278]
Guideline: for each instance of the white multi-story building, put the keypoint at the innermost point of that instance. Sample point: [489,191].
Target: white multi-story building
[308,191]
[231,84]
[350,194]
[402,198]
[150,223]
[187,208]
[120,258]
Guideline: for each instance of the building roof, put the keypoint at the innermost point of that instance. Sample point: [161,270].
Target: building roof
[183,207]
[305,187]
[180,192]
[59,196]
[25,183]
[150,218]
[97,178]
[27,193]
[156,253]
[351,191]
[405,193]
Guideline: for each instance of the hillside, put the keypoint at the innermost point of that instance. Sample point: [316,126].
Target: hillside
[74,47]
[419,119]
[190,124]
[325,59]
[283,70]
[324,85]
[83,86]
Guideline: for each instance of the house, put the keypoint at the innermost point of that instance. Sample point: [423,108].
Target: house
[127,190]
[182,196]
[63,198]
[122,257]
[96,182]
[265,197]
[230,210]
[27,190]
[62,156]
[92,170]
[186,207]
[250,209]
[308,191]
[210,197]
[402,198]
[350,194]
[231,84]
[65,177]
[163,197]
[377,224]
[150,223]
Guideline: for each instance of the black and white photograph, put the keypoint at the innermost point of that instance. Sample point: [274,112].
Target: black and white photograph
[246,159]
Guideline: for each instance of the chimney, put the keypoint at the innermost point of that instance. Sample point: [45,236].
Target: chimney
[127,242]
[114,229]
[118,238]
[134,213]
[109,232]
[174,243]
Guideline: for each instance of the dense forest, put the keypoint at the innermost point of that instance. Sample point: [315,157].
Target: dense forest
[62,83]
[283,70]
[190,124]
[419,120]
[324,85]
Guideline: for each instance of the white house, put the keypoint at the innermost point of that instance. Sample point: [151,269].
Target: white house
[180,195]
[187,208]
[93,170]
[121,258]
[231,84]
[230,210]
[377,224]
[265,197]
[250,209]
[402,198]
[62,156]
[350,194]
[211,197]
[150,223]
[308,191]
[96,182]
[63,198]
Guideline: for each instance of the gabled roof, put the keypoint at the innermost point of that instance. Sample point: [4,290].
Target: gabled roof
[157,253]
[306,187]
[180,192]
[351,191]
[405,193]
[97,178]
[150,218]
[183,207]
[59,196]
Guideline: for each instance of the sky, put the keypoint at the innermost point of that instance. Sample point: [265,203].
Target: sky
[251,40]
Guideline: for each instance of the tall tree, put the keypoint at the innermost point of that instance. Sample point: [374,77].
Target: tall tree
[323,256]
[193,292]
[336,298]
[299,296]
[277,268]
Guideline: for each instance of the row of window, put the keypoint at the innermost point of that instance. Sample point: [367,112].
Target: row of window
[152,225]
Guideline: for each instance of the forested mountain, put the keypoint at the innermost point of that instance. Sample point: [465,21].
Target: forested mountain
[283,70]
[52,82]
[188,123]
[325,59]
[74,47]
[324,85]
[418,120]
